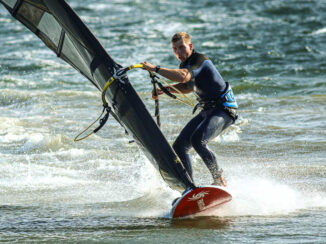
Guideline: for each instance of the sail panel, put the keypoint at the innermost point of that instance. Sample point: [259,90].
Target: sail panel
[30,13]
[77,55]
[52,33]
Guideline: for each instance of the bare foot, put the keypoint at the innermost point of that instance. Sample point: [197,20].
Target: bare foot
[223,181]
[220,182]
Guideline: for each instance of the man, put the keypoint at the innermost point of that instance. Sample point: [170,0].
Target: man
[198,74]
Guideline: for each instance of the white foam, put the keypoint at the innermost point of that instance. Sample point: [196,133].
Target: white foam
[10,130]
[232,134]
[259,196]
[30,141]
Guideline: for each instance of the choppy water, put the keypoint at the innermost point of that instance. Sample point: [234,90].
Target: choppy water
[104,189]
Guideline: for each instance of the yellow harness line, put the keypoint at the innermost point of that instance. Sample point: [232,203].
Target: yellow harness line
[78,138]
[187,102]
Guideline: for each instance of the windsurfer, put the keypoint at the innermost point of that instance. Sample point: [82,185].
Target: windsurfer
[198,74]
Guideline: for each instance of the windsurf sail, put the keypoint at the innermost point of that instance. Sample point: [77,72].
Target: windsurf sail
[60,28]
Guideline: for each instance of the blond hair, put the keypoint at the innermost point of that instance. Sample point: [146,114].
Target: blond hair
[184,36]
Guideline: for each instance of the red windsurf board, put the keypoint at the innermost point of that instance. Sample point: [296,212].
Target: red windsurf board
[199,200]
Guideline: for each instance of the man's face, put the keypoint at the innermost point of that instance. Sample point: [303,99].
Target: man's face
[182,50]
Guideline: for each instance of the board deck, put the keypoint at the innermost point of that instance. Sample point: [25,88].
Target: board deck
[199,200]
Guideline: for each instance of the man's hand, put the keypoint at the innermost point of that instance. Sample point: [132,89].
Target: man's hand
[159,92]
[148,66]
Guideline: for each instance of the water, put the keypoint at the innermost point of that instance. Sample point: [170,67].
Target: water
[104,189]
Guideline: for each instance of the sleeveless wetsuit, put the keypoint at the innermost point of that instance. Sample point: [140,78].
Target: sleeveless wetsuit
[208,85]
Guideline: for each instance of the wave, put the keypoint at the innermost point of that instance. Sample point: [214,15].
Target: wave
[320,31]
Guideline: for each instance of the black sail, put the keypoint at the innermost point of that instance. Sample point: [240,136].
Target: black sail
[60,28]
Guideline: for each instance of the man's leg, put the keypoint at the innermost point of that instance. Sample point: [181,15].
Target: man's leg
[215,122]
[182,144]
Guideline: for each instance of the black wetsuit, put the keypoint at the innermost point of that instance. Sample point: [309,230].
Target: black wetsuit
[208,85]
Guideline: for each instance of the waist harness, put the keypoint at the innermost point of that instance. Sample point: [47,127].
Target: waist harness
[225,101]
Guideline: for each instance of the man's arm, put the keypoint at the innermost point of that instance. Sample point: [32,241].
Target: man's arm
[178,75]
[182,87]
